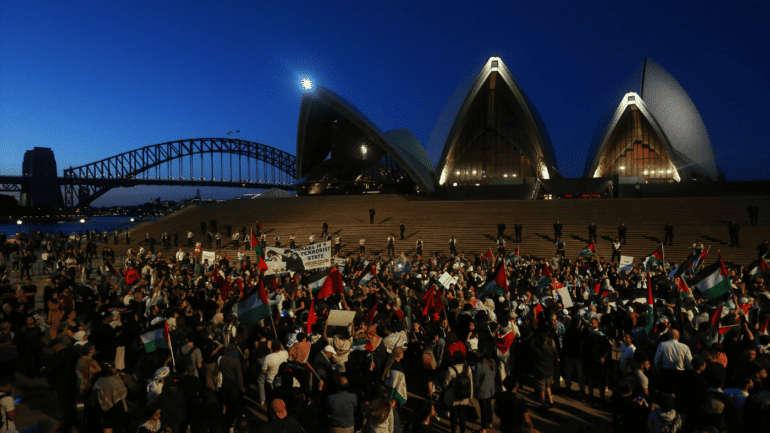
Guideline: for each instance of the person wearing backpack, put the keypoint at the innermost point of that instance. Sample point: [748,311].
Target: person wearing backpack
[458,390]
[664,419]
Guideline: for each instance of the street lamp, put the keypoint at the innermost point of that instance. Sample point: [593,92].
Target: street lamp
[306,83]
[363,150]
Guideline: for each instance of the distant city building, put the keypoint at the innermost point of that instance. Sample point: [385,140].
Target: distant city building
[651,132]
[42,187]
[498,137]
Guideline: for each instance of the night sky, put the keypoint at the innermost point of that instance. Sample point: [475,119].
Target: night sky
[94,79]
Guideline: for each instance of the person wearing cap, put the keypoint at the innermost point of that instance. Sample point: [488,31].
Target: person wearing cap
[323,364]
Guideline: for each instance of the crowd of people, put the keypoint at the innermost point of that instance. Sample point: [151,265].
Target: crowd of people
[453,337]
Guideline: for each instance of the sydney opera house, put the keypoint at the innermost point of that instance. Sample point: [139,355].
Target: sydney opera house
[650,132]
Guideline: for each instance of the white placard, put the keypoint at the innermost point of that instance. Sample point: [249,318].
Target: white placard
[210,255]
[446,280]
[566,299]
[340,318]
[626,263]
[282,260]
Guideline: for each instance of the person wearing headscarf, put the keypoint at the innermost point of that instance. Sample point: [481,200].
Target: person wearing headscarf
[111,393]
[155,387]
[153,423]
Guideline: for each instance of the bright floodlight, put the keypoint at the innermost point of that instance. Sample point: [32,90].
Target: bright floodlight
[363,149]
[132,220]
[82,220]
[19,222]
[306,83]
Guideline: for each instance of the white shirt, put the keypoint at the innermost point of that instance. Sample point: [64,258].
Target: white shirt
[7,405]
[673,355]
[361,241]
[180,256]
[189,234]
[626,353]
[272,362]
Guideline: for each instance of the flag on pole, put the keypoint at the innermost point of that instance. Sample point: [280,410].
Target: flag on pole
[682,285]
[311,317]
[717,315]
[650,326]
[587,251]
[761,270]
[699,260]
[497,282]
[489,254]
[684,267]
[252,310]
[255,245]
[156,339]
[513,256]
[372,312]
[262,266]
[367,275]
[325,283]
[261,292]
[715,283]
[655,259]
[434,303]
[763,326]
[220,283]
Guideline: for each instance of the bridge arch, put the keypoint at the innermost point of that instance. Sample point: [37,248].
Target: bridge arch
[88,182]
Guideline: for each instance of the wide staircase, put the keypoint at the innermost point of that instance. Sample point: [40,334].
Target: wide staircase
[474,224]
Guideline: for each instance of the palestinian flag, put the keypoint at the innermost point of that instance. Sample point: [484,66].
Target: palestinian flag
[372,312]
[362,345]
[311,317]
[717,315]
[488,255]
[261,265]
[396,381]
[325,283]
[255,245]
[763,326]
[760,271]
[252,310]
[682,285]
[513,256]
[650,326]
[699,260]
[503,342]
[156,339]
[261,292]
[587,251]
[197,248]
[434,302]
[220,283]
[715,282]
[655,259]
[497,282]
[546,278]
[367,274]
[684,267]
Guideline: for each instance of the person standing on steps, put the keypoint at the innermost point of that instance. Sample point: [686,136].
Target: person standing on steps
[402,228]
[517,231]
[325,229]
[669,231]
[371,215]
[362,245]
[453,246]
[560,245]
[229,229]
[176,239]
[616,250]
[592,232]
[219,241]
[733,228]
[622,232]
[753,211]
[203,227]
[278,242]
[128,237]
[337,244]
[292,244]
[189,239]
[419,248]
[557,228]
[501,230]
[501,246]
[391,246]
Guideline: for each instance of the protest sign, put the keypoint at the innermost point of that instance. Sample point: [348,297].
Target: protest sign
[340,318]
[282,260]
[446,280]
[209,255]
[566,299]
[626,263]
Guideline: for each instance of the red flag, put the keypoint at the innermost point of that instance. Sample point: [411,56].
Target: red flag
[597,288]
[253,239]
[429,298]
[501,279]
[538,311]
[332,284]
[723,329]
[556,285]
[503,342]
[682,285]
[547,272]
[717,315]
[650,300]
[438,305]
[399,314]
[262,265]
[261,292]
[763,326]
[744,308]
[489,254]
[311,317]
[166,335]
[372,312]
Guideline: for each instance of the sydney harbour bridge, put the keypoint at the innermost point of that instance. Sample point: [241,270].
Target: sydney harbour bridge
[191,162]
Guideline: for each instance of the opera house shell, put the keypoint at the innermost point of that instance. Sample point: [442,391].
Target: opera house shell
[651,132]
[339,150]
[497,137]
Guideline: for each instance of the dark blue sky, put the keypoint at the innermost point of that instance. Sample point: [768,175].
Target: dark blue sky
[93,79]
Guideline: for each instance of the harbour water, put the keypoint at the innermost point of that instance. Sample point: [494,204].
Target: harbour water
[100,224]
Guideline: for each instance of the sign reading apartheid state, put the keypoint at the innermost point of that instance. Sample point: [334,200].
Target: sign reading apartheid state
[282,260]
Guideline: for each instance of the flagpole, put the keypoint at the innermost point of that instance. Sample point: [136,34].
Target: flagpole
[165,323]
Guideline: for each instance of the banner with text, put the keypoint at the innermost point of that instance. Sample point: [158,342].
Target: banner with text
[626,263]
[282,260]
